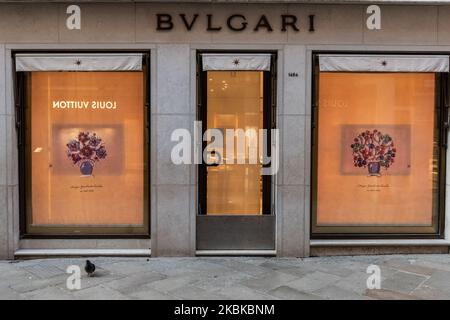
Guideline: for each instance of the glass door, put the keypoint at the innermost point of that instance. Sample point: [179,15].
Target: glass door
[234,195]
[235,102]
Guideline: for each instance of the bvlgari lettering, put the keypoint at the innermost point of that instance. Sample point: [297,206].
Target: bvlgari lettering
[234,22]
[165,22]
[188,24]
[235,27]
[263,23]
[289,20]
[210,24]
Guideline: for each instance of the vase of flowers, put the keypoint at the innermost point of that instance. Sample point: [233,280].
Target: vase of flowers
[373,149]
[85,150]
[374,168]
[86,167]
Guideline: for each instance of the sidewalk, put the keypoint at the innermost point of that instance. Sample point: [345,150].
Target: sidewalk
[403,277]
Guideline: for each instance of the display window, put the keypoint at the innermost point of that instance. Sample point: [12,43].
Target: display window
[379,145]
[84,138]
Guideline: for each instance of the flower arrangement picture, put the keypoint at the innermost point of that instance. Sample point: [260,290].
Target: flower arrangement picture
[85,150]
[373,149]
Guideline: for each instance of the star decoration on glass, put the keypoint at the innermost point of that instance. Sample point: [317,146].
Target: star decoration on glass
[384,63]
[78,62]
[236,62]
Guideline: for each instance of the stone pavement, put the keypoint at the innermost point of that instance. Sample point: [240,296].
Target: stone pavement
[403,277]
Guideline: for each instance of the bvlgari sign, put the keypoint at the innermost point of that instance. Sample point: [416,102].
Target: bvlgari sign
[234,22]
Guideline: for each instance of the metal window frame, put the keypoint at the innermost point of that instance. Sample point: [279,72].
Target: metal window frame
[21,101]
[436,230]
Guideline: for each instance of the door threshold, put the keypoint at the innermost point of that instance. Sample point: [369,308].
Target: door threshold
[49,253]
[263,253]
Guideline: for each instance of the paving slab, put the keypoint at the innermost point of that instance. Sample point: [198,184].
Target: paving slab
[336,293]
[34,283]
[410,266]
[439,280]
[288,293]
[100,276]
[299,271]
[429,293]
[383,294]
[131,283]
[280,264]
[436,265]
[314,281]
[194,293]
[404,282]
[99,292]
[223,281]
[356,282]
[44,271]
[251,278]
[240,292]
[242,266]
[7,293]
[170,284]
[126,267]
[268,281]
[15,277]
[151,294]
[48,293]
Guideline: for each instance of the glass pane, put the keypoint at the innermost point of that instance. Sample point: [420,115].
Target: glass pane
[87,148]
[235,101]
[376,150]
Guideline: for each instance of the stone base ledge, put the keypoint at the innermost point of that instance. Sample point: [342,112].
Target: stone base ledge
[364,243]
[50,253]
[377,247]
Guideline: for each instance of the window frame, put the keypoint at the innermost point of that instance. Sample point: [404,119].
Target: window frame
[436,230]
[22,122]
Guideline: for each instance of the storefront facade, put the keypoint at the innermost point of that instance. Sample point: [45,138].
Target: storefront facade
[355,120]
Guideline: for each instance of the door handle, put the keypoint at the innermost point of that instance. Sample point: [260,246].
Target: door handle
[213,165]
[218,159]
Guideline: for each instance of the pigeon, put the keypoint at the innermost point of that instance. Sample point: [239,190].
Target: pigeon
[89,268]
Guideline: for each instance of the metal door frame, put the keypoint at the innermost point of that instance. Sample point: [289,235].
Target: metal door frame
[236,232]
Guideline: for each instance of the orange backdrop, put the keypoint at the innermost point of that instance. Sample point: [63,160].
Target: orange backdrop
[399,104]
[114,194]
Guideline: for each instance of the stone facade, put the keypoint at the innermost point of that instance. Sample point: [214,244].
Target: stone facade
[129,25]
